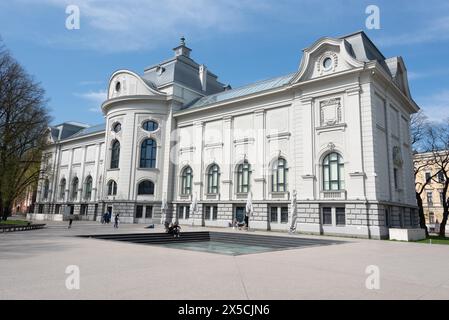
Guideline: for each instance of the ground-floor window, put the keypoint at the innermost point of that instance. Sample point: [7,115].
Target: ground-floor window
[139,212]
[40,209]
[340,216]
[431,217]
[183,212]
[333,216]
[279,214]
[83,209]
[57,208]
[327,216]
[149,212]
[210,212]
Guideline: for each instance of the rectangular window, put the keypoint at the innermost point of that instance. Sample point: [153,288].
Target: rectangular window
[274,214]
[139,212]
[83,209]
[215,213]
[327,216]
[57,208]
[387,217]
[284,215]
[340,216]
[149,212]
[441,197]
[441,177]
[429,198]
[428,177]
[207,212]
[187,212]
[40,208]
[431,217]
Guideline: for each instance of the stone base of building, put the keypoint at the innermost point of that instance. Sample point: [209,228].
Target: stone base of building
[360,219]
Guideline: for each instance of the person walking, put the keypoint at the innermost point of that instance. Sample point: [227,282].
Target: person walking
[116,220]
[70,221]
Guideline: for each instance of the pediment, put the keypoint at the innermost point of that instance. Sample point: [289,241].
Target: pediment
[127,83]
[325,57]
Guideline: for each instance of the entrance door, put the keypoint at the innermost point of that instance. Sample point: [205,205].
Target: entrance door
[240,214]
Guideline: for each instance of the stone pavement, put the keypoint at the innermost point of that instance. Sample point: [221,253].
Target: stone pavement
[33,265]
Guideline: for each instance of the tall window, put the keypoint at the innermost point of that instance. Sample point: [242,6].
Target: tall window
[112,188]
[146,187]
[279,176]
[74,193]
[243,173]
[430,198]
[440,177]
[88,188]
[186,181]
[148,154]
[46,188]
[428,177]
[333,172]
[115,154]
[62,186]
[150,125]
[213,179]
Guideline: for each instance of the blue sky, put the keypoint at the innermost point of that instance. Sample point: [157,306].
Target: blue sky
[241,41]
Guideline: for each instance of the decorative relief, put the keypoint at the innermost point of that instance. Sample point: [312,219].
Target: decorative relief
[320,64]
[330,112]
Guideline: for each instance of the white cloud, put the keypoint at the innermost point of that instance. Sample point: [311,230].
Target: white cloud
[437,30]
[436,106]
[117,25]
[94,99]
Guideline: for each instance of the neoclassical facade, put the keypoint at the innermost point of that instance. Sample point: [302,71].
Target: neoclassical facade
[336,131]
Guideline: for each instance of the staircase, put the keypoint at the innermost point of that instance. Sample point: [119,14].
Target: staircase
[275,242]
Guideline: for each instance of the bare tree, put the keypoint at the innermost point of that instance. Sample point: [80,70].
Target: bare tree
[24,122]
[438,135]
[419,132]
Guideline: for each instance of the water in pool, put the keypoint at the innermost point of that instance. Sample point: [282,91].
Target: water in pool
[218,247]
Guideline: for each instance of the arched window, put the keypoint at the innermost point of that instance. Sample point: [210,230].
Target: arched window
[62,186]
[150,125]
[279,176]
[74,193]
[186,181]
[213,176]
[46,188]
[148,154]
[112,188]
[88,188]
[146,187]
[243,173]
[333,172]
[115,154]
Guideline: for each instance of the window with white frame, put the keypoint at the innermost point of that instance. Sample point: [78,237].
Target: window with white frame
[333,172]
[279,176]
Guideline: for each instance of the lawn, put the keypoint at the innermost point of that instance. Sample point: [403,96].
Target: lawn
[16,222]
[435,240]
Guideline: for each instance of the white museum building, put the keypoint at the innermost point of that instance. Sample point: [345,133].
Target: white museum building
[335,133]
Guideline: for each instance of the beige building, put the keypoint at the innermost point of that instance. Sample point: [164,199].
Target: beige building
[432,195]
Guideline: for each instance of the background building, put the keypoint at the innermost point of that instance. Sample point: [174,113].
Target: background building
[432,196]
[336,131]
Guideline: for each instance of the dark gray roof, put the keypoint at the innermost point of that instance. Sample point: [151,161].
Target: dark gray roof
[182,70]
[90,130]
[257,87]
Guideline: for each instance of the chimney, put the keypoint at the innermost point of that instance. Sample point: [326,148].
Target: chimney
[203,76]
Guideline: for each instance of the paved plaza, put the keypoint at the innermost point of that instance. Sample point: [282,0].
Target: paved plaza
[33,266]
